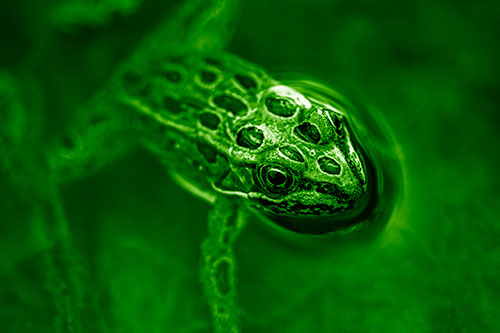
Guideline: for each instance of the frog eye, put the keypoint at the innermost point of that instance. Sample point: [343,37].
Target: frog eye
[275,179]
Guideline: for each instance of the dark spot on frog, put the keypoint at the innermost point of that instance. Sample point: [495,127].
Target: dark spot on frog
[194,103]
[338,127]
[329,165]
[212,61]
[221,309]
[230,103]
[280,106]
[246,81]
[250,137]
[131,79]
[208,152]
[337,122]
[208,77]
[144,91]
[223,277]
[176,59]
[339,132]
[292,153]
[169,143]
[209,120]
[134,83]
[177,106]
[174,105]
[173,76]
[96,120]
[308,132]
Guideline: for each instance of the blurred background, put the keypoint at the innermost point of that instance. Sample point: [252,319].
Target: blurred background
[429,66]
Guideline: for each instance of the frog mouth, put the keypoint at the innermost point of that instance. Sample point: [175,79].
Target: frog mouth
[317,219]
[296,208]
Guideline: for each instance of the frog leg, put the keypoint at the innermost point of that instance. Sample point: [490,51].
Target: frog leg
[24,167]
[101,131]
[105,127]
[225,222]
[20,134]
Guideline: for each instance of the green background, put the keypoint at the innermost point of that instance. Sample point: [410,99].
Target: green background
[430,67]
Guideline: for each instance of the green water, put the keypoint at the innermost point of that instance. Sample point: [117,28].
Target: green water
[428,66]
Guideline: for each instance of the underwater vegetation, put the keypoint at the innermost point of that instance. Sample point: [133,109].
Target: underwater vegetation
[254,166]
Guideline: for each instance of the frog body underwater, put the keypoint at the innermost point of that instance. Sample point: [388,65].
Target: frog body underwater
[225,127]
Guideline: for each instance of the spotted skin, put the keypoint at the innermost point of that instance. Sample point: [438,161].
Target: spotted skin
[227,128]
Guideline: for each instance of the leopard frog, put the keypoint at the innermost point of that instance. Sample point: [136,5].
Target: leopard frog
[225,127]
[293,152]
[233,135]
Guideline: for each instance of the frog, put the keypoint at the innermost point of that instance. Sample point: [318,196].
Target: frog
[225,127]
[294,153]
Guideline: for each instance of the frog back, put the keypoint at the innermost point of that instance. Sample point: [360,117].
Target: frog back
[187,106]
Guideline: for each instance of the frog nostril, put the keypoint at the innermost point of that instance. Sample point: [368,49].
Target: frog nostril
[329,165]
[250,137]
[308,132]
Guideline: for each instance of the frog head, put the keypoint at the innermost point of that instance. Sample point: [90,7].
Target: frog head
[297,162]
